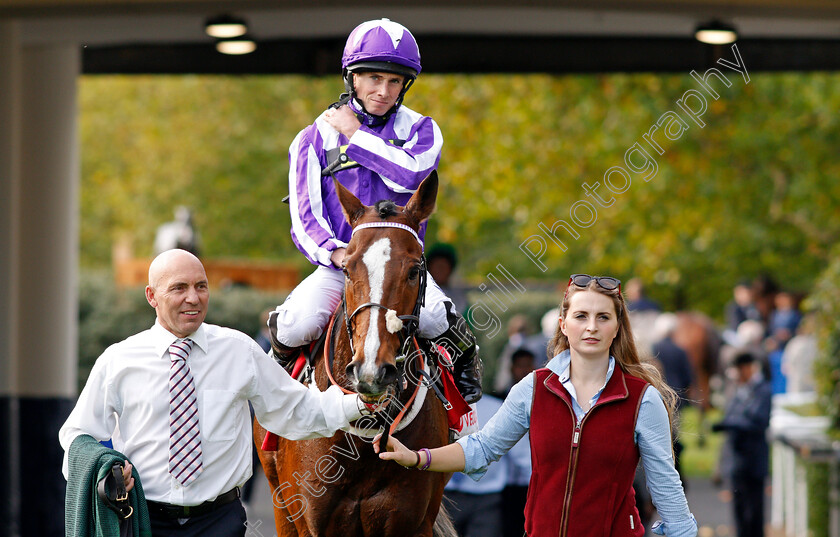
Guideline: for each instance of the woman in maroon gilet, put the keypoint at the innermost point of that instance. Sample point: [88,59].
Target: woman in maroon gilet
[591,418]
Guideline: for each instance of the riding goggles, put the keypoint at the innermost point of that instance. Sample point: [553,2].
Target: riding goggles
[605,282]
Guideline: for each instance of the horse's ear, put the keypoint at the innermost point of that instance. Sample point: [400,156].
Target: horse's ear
[351,206]
[422,204]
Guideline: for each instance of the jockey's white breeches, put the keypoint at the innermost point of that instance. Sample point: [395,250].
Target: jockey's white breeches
[303,316]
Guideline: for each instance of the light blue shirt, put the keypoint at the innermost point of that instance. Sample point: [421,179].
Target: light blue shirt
[652,435]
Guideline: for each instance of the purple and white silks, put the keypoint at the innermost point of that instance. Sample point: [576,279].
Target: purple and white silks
[385,171]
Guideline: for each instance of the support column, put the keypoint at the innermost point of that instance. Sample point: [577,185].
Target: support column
[49,216]
[9,218]
[39,241]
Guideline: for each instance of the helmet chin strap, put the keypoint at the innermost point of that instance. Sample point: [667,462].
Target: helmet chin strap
[365,117]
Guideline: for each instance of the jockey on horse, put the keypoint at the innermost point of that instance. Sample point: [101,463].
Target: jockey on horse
[379,150]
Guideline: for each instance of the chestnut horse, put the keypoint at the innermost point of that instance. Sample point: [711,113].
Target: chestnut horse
[698,336]
[338,486]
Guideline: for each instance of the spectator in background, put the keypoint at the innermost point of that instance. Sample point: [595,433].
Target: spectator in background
[520,336]
[764,290]
[180,233]
[518,330]
[548,324]
[515,493]
[745,421]
[643,313]
[441,260]
[750,334]
[263,337]
[798,358]
[636,298]
[750,337]
[522,362]
[477,505]
[676,369]
[741,308]
[784,321]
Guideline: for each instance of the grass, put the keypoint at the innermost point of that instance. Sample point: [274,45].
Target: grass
[702,447]
[808,410]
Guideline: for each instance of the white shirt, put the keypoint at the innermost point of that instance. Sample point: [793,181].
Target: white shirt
[129,386]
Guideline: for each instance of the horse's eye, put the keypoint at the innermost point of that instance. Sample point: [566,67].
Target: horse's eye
[344,270]
[413,273]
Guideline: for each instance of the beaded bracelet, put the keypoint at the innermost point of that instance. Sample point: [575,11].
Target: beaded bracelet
[428,458]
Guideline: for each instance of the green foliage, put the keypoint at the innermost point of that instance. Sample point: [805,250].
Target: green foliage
[753,191]
[824,303]
[241,307]
[532,305]
[818,487]
[701,449]
[108,315]
[215,144]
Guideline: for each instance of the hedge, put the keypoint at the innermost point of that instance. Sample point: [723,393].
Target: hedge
[108,314]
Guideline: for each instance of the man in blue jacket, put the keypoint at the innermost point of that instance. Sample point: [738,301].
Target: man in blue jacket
[745,421]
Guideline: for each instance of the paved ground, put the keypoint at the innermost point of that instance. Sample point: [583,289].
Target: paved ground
[260,510]
[709,504]
[711,508]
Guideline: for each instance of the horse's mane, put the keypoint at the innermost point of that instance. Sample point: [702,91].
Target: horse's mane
[386,208]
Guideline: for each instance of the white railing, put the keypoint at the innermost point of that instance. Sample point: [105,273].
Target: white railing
[797,440]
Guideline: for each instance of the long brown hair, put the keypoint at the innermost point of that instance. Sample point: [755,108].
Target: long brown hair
[623,347]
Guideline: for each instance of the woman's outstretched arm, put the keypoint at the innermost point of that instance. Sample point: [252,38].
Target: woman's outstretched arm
[449,458]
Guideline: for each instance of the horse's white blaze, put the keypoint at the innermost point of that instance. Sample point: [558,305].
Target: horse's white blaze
[375,259]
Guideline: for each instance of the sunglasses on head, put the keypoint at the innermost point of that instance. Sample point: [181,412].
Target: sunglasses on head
[605,282]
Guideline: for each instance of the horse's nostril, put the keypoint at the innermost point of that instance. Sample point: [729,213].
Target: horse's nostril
[351,371]
[387,374]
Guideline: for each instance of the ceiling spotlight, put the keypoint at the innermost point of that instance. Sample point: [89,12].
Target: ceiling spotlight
[236,45]
[715,32]
[225,26]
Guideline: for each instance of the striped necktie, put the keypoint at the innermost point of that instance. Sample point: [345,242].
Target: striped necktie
[184,436]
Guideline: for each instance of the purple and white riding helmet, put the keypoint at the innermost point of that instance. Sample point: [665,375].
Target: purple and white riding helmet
[381,45]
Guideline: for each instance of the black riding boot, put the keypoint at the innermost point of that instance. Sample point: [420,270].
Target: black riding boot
[459,341]
[283,355]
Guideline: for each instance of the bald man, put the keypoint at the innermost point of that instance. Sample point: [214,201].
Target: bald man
[129,388]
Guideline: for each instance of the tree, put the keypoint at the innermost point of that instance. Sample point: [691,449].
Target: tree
[752,191]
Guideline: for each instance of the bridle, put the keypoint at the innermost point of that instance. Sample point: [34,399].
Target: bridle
[407,334]
[410,323]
